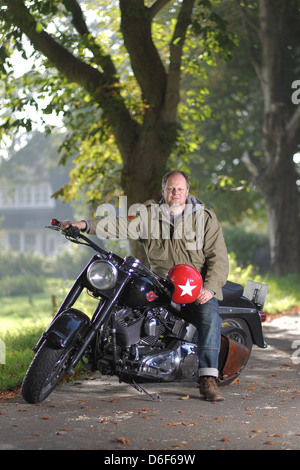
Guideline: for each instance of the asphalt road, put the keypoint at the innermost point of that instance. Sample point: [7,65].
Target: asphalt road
[261,411]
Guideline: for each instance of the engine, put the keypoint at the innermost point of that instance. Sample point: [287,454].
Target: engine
[151,344]
[142,328]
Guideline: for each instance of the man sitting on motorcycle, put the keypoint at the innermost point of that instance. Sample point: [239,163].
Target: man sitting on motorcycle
[181,230]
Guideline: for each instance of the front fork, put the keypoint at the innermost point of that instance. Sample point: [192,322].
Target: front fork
[72,327]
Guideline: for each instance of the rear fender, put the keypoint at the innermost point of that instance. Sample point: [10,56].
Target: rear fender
[69,326]
[251,317]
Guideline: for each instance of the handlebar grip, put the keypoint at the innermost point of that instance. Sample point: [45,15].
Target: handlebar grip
[70,231]
[55,222]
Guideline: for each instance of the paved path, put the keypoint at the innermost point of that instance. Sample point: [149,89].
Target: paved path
[261,410]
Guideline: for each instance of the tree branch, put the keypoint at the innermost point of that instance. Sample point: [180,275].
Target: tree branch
[249,26]
[157,6]
[101,59]
[102,87]
[70,66]
[253,164]
[176,47]
[145,60]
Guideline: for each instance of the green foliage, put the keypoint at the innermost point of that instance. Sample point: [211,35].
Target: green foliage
[14,264]
[21,285]
[19,354]
[97,161]
[283,292]
[249,243]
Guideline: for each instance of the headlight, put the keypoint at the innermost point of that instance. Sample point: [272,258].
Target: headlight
[102,274]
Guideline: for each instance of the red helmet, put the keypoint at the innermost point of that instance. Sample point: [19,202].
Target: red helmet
[187,281]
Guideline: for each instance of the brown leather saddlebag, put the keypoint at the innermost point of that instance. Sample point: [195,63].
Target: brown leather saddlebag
[233,357]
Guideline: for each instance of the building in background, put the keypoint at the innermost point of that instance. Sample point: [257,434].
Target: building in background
[27,182]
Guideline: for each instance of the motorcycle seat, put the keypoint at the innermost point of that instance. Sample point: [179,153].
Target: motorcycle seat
[231,290]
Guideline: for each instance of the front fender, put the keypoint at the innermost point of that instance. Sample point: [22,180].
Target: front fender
[66,328]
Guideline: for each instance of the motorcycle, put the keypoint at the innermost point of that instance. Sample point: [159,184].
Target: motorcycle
[136,332]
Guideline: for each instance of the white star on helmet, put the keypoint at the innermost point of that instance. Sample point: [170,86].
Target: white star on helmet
[187,289]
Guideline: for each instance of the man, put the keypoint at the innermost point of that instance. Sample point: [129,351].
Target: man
[180,230]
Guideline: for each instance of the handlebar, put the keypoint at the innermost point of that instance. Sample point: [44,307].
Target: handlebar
[73,234]
[71,231]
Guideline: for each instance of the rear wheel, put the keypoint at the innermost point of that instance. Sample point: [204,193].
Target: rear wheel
[45,372]
[238,332]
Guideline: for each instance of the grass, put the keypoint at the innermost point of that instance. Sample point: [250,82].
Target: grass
[283,292]
[22,322]
[21,325]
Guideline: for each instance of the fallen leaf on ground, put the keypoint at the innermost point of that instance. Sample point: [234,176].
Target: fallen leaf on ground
[123,440]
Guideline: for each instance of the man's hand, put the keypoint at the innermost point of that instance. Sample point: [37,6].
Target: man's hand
[81,224]
[204,296]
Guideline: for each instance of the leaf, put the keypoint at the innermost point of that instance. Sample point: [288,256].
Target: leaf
[38,27]
[236,381]
[184,398]
[225,439]
[123,440]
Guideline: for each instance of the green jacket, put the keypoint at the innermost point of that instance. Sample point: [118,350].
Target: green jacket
[193,238]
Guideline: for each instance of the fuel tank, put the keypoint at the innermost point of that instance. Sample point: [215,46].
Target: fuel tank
[140,292]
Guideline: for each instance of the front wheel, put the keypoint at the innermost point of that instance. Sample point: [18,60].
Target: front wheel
[45,372]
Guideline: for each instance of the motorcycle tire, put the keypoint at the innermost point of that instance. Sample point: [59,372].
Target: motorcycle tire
[231,328]
[46,370]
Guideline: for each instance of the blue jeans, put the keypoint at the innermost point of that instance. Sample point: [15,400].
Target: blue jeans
[208,322]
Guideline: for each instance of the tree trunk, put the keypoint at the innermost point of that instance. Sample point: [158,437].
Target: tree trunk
[274,172]
[278,187]
[142,176]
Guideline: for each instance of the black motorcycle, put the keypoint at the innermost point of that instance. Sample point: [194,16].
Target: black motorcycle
[136,332]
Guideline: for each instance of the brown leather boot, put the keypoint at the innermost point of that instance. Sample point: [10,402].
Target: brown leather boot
[208,387]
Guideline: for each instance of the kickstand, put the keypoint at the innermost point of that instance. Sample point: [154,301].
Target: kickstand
[140,389]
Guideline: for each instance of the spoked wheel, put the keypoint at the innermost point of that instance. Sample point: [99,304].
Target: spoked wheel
[45,372]
[238,331]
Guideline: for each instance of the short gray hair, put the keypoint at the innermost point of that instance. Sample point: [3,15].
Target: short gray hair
[175,172]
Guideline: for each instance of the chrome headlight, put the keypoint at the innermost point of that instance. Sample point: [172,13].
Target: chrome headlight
[102,275]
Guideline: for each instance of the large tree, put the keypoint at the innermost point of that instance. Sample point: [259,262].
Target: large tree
[141,117]
[273,31]
[143,136]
